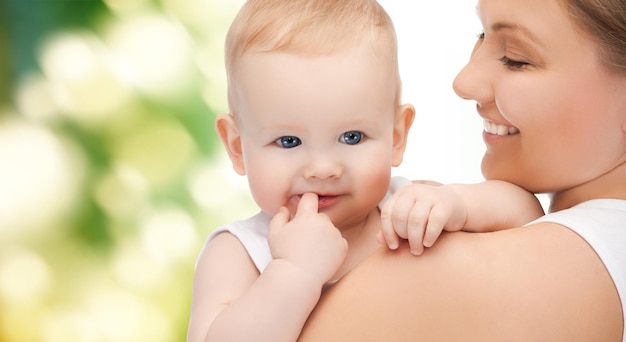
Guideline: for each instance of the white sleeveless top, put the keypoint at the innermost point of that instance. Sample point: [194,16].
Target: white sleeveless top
[602,223]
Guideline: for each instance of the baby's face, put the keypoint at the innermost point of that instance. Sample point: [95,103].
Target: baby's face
[321,124]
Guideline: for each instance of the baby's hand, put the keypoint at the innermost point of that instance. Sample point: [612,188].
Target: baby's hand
[309,240]
[419,213]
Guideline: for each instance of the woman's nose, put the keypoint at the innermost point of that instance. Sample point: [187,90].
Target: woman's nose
[461,84]
[473,82]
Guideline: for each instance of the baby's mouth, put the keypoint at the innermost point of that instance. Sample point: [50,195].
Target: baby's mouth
[322,200]
[493,128]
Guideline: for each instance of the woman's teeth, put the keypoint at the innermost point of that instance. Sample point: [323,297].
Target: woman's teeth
[494,128]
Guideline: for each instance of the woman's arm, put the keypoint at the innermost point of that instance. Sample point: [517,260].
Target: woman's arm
[538,283]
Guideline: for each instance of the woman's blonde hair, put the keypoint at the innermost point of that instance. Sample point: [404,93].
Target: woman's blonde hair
[310,27]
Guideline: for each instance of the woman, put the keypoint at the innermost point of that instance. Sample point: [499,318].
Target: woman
[549,79]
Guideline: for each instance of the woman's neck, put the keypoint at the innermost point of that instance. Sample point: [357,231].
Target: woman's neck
[610,185]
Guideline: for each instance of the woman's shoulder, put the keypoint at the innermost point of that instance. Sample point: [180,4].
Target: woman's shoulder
[541,282]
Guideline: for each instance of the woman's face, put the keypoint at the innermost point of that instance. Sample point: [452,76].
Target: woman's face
[555,118]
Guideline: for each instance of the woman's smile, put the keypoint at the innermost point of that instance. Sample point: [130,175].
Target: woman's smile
[498,129]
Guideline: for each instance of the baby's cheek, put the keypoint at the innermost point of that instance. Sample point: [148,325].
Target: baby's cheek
[266,193]
[377,182]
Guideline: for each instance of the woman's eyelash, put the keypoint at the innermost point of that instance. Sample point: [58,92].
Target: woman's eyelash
[512,64]
[509,63]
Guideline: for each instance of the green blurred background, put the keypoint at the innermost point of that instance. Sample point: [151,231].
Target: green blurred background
[111,175]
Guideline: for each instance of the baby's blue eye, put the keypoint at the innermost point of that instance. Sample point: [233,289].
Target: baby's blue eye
[288,141]
[351,137]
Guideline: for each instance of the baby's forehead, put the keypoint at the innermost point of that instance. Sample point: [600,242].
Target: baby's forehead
[344,70]
[276,66]
[340,106]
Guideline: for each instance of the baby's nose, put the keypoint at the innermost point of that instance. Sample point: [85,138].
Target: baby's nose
[323,167]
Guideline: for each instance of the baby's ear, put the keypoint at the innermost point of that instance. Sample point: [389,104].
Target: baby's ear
[228,132]
[402,124]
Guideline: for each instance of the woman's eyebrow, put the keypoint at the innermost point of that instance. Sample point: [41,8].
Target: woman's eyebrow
[507,26]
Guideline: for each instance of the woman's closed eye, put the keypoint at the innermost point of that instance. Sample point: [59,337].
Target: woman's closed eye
[512,64]
[507,61]
[351,137]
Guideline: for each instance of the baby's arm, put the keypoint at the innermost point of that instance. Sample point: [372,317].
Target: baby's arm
[421,211]
[232,302]
[496,205]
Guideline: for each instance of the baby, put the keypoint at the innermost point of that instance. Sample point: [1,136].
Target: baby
[316,125]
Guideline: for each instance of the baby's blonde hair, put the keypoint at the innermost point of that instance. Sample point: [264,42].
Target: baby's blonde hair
[310,27]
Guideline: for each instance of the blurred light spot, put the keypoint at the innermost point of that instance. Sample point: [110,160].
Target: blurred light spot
[204,16]
[83,72]
[214,90]
[215,187]
[209,20]
[169,235]
[70,56]
[158,150]
[209,59]
[35,98]
[63,325]
[121,192]
[157,50]
[123,6]
[40,178]
[133,266]
[21,323]
[122,316]
[24,276]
